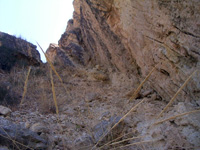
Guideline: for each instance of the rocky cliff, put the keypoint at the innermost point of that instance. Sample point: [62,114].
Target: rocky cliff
[132,37]
[107,50]
[125,40]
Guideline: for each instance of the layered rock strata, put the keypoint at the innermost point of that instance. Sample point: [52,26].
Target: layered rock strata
[132,37]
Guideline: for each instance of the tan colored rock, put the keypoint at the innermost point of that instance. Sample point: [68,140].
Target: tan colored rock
[127,39]
[57,56]
[154,34]
[132,37]
[39,128]
[97,76]
[5,111]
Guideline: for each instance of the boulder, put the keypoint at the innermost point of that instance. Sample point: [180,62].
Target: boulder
[23,138]
[84,141]
[5,111]
[103,130]
[39,128]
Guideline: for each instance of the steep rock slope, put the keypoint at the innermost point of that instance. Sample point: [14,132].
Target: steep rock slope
[132,37]
[111,46]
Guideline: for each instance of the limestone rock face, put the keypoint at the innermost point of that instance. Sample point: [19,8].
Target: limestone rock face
[16,51]
[132,37]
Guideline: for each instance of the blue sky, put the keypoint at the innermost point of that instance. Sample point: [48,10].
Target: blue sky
[43,21]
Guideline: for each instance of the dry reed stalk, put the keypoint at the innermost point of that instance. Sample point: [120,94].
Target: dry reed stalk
[179,90]
[53,68]
[136,143]
[132,109]
[54,93]
[25,86]
[84,147]
[53,89]
[116,139]
[133,138]
[141,84]
[180,115]
[56,105]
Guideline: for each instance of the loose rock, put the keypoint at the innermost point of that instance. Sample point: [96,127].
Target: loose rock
[5,111]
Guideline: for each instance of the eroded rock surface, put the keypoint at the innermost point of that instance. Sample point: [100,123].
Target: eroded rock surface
[110,46]
[16,51]
[127,39]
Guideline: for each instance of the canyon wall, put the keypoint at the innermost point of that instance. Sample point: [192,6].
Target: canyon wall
[106,51]
[132,37]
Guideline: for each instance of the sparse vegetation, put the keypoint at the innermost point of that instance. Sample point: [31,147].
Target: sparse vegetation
[43,90]
[25,85]
[78,100]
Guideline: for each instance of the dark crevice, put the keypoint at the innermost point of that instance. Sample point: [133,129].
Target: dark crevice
[187,33]
[195,52]
[154,39]
[164,72]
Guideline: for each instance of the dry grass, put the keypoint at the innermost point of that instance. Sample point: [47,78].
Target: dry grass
[139,137]
[8,137]
[54,93]
[14,142]
[134,95]
[109,143]
[132,109]
[174,97]
[136,143]
[125,140]
[180,115]
[53,68]
[141,84]
[91,115]
[25,85]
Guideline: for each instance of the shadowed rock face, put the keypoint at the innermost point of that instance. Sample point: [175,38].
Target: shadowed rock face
[132,37]
[15,51]
[56,55]
[24,138]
